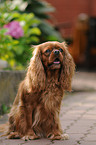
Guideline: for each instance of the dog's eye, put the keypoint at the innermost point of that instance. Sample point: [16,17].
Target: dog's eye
[61,50]
[47,51]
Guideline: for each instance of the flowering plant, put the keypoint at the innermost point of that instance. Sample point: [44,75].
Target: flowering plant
[17,33]
[14,29]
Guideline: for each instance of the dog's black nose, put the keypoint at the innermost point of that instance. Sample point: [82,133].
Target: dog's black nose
[56,52]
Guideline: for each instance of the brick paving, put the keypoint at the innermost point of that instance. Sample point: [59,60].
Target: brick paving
[78,119]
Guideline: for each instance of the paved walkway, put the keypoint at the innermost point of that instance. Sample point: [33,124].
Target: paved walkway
[78,119]
[84,81]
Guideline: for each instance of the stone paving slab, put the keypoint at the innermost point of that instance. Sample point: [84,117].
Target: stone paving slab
[90,137]
[65,142]
[84,81]
[39,142]
[88,143]
[11,142]
[78,119]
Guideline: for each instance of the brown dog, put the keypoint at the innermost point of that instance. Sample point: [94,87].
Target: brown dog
[36,107]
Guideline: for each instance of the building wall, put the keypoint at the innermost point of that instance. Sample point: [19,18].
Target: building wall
[68,11]
[93,8]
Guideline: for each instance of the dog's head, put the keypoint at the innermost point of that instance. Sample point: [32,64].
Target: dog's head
[51,56]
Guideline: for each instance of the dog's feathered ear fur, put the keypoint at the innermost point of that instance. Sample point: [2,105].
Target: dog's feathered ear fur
[36,75]
[67,70]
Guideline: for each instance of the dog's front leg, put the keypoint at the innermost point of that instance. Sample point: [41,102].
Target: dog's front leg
[30,134]
[54,130]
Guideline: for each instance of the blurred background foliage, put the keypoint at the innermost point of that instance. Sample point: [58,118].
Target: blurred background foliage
[32,16]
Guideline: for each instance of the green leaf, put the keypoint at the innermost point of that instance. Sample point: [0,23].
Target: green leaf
[3,31]
[52,38]
[43,10]
[19,49]
[35,21]
[48,30]
[34,31]
[34,39]
[15,15]
[8,17]
[4,108]
[15,42]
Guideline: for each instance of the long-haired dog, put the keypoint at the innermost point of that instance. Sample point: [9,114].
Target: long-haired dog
[35,111]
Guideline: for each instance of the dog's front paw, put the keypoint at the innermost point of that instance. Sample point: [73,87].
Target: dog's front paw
[30,137]
[58,137]
[64,136]
[13,135]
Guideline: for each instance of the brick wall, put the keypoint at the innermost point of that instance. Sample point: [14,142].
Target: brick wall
[68,11]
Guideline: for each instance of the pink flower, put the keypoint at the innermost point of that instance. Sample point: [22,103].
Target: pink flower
[14,29]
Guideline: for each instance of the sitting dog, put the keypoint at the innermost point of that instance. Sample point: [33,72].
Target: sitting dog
[35,111]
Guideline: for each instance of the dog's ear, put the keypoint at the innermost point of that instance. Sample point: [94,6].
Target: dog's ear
[67,69]
[36,75]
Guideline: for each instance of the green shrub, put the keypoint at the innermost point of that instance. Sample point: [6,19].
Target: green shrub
[41,9]
[18,51]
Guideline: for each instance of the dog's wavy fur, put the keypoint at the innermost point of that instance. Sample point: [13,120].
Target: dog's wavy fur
[36,108]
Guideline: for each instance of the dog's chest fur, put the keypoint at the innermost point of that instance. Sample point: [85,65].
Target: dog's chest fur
[52,95]
[49,105]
